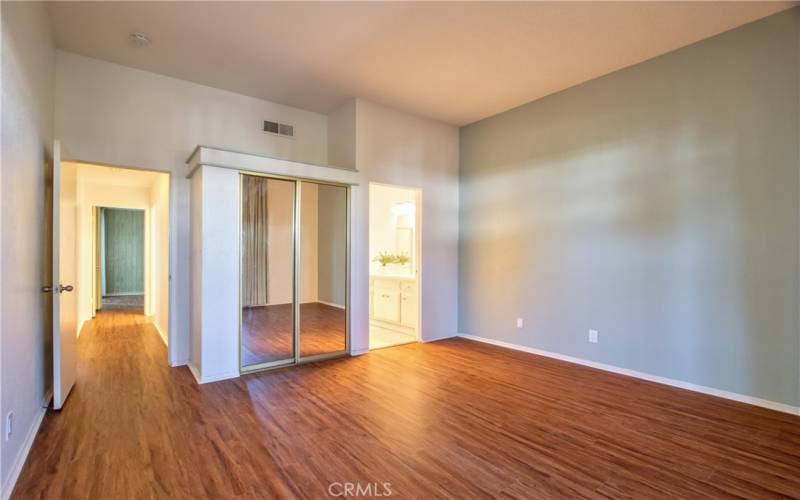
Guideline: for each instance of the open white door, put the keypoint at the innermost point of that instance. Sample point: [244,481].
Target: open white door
[64,270]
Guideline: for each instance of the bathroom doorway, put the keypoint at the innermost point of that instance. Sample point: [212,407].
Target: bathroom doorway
[394,277]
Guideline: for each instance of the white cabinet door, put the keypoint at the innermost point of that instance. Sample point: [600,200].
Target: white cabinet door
[386,305]
[408,310]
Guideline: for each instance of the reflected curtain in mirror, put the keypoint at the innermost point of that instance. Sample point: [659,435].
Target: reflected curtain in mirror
[254,241]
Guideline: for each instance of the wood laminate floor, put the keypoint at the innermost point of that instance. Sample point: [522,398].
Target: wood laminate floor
[267,331]
[450,419]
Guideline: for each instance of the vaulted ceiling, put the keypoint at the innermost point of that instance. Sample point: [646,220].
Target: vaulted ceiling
[451,61]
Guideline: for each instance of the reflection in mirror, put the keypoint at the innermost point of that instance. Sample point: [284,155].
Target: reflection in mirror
[404,245]
[323,269]
[266,270]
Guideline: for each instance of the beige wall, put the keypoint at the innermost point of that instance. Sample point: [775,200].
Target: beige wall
[332,245]
[342,135]
[115,115]
[280,232]
[658,205]
[160,268]
[27,135]
[280,273]
[196,267]
[309,243]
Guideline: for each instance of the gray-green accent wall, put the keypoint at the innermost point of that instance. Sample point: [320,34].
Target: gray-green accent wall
[124,251]
[658,205]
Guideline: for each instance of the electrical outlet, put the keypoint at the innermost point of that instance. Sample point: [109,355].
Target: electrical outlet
[593,336]
[519,322]
[9,424]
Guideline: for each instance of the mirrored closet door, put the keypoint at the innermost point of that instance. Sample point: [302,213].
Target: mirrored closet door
[267,272]
[293,271]
[322,321]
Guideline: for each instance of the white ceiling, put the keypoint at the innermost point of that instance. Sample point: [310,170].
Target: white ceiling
[452,61]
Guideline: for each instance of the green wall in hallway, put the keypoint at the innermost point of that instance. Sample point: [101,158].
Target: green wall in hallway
[124,251]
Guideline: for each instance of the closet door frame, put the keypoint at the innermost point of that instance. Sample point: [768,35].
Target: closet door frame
[297,359]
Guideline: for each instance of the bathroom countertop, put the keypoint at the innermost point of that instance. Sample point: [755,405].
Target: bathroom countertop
[405,277]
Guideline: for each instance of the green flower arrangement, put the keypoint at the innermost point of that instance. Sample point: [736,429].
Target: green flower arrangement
[386,258]
[402,259]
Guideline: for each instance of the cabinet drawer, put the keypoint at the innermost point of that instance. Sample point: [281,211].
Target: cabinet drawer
[386,283]
[386,305]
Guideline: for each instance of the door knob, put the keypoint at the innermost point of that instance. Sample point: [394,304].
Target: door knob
[47,289]
[62,288]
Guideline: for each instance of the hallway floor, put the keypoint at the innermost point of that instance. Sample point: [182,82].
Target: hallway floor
[449,419]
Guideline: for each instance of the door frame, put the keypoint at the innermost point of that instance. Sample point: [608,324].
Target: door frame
[297,359]
[172,257]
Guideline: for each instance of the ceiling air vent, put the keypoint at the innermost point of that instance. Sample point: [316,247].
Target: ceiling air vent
[278,128]
[284,129]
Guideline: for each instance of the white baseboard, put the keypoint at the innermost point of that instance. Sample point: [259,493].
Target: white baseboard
[160,333]
[83,323]
[22,454]
[180,362]
[219,377]
[194,371]
[434,339]
[338,306]
[764,403]
[210,378]
[48,396]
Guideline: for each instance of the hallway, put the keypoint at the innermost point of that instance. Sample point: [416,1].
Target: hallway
[453,418]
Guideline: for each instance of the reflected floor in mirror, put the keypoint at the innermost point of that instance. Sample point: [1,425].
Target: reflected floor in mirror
[267,331]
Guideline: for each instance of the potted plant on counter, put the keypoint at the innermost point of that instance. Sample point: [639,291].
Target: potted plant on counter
[392,263]
[384,259]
